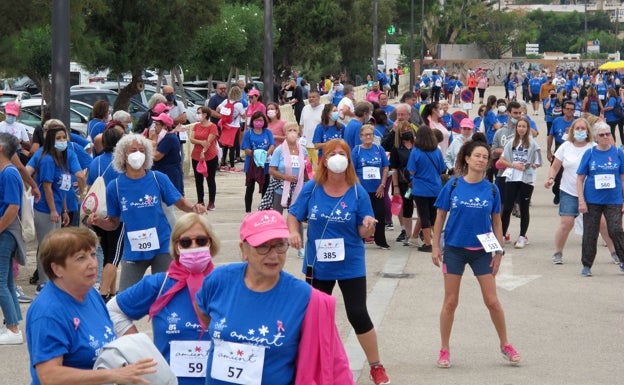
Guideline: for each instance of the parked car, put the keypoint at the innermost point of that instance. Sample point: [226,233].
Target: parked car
[90,94]
[31,112]
[11,96]
[149,91]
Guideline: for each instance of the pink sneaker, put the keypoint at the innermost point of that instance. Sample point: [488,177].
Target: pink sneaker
[510,354]
[444,360]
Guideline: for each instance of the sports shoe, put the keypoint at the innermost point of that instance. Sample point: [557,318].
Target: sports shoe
[507,238]
[444,359]
[622,267]
[557,259]
[369,240]
[406,242]
[384,247]
[425,248]
[21,296]
[300,253]
[223,168]
[615,258]
[378,375]
[389,227]
[520,243]
[401,236]
[586,272]
[510,354]
[9,338]
[232,169]
[211,207]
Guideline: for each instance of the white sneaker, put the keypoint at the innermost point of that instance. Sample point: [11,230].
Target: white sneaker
[520,243]
[9,338]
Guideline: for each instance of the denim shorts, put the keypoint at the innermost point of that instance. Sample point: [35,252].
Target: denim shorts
[568,204]
[456,258]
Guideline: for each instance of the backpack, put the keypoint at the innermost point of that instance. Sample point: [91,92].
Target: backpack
[227,113]
[617,109]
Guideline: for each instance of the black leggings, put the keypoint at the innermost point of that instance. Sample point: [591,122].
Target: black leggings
[225,154]
[354,294]
[212,164]
[426,211]
[513,191]
[379,210]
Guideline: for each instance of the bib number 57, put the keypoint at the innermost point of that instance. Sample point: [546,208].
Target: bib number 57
[234,372]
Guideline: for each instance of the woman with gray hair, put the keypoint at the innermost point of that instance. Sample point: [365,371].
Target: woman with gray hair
[146,119]
[134,198]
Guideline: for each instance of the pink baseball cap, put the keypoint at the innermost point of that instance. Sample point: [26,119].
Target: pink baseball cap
[12,108]
[262,226]
[254,92]
[467,123]
[160,108]
[166,119]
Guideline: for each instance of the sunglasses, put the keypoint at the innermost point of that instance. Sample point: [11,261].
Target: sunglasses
[279,248]
[200,241]
[605,135]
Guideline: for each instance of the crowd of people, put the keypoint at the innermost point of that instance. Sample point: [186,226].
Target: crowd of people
[340,167]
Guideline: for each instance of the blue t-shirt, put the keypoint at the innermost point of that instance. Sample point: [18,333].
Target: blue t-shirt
[324,134]
[471,206]
[177,321]
[426,168]
[374,157]
[94,128]
[596,162]
[171,162]
[137,203]
[253,141]
[58,325]
[102,166]
[334,218]
[277,160]
[352,133]
[488,122]
[271,320]
[609,115]
[559,128]
[11,189]
[535,85]
[60,179]
[84,159]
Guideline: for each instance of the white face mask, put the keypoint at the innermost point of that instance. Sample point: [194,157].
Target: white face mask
[502,109]
[271,113]
[442,112]
[136,160]
[337,163]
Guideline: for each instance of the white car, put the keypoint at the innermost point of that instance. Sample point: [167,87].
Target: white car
[31,111]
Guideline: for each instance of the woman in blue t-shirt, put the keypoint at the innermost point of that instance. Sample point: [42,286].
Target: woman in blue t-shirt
[609,113]
[472,204]
[599,186]
[371,166]
[258,144]
[169,300]
[135,198]
[425,165]
[339,215]
[329,128]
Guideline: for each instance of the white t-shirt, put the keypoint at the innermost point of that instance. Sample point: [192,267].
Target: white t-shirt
[310,118]
[239,111]
[16,129]
[348,103]
[570,157]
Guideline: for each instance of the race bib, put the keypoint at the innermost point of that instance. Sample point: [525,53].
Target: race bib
[237,363]
[189,358]
[144,240]
[371,173]
[65,182]
[601,97]
[183,136]
[330,250]
[489,242]
[303,141]
[294,162]
[604,181]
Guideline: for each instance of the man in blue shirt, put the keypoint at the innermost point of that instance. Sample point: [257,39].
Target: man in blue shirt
[560,127]
[535,84]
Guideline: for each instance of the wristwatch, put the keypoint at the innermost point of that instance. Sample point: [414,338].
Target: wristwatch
[501,252]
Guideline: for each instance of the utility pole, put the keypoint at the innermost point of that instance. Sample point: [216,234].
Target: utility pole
[411,65]
[375,39]
[585,44]
[267,77]
[60,61]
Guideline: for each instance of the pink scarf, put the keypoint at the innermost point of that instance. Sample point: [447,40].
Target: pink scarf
[288,166]
[184,279]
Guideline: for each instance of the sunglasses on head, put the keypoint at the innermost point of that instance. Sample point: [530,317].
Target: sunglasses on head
[200,241]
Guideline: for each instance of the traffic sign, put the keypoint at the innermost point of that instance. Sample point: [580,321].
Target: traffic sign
[391,30]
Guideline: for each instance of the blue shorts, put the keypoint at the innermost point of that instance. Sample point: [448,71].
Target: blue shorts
[568,204]
[456,258]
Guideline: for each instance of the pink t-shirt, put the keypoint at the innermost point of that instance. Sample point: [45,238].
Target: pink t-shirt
[277,128]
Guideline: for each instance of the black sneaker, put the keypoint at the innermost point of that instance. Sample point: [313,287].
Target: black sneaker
[425,248]
[401,236]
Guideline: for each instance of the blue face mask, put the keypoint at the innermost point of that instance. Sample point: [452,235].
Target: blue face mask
[170,97]
[335,116]
[60,146]
[10,119]
[580,136]
[513,120]
[130,127]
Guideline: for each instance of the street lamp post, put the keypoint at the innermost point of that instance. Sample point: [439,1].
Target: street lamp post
[422,33]
[411,65]
[375,39]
